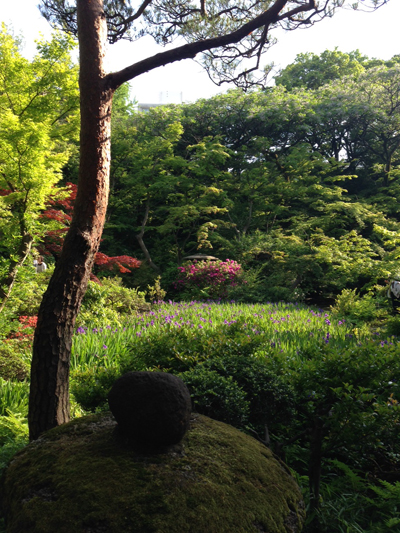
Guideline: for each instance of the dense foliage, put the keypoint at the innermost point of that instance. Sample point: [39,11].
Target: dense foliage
[294,191]
[299,186]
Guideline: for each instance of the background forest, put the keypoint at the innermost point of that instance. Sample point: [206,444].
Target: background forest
[299,184]
[294,191]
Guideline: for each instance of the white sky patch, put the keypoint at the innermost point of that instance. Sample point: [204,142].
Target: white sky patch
[374,34]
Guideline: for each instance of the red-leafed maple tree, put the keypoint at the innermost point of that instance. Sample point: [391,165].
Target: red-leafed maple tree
[61,211]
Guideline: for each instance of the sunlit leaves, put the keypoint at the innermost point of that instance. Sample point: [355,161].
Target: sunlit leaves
[311,71]
[38,117]
[159,186]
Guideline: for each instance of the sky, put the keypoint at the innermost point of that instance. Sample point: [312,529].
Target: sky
[374,34]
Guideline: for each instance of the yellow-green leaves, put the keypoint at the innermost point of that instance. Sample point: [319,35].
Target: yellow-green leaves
[39,119]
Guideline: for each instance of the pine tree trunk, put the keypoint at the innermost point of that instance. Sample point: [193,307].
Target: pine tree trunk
[49,392]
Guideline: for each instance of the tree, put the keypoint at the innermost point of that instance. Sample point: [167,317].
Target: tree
[309,71]
[39,115]
[143,172]
[381,92]
[224,32]
[161,190]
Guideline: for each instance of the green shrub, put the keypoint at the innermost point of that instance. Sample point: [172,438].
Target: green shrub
[168,278]
[6,323]
[270,397]
[90,386]
[28,290]
[123,300]
[13,436]
[358,309]
[173,351]
[217,396]
[109,303]
[393,326]
[156,293]
[12,366]
[180,349]
[97,316]
[347,408]
[250,289]
[276,293]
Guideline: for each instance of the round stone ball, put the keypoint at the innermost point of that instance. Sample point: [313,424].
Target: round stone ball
[152,409]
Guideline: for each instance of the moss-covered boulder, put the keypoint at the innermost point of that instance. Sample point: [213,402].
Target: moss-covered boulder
[78,478]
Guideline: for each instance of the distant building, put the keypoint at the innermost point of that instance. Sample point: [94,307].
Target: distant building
[165,97]
[144,108]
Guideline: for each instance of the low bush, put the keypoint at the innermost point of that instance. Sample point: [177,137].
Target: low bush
[90,387]
[250,287]
[110,303]
[155,293]
[217,396]
[27,292]
[270,397]
[12,366]
[179,349]
[356,308]
[172,351]
[392,326]
[208,279]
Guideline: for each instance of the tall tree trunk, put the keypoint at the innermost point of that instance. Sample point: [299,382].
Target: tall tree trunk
[388,168]
[140,240]
[49,391]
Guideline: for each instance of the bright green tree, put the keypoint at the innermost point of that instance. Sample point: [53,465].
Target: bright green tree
[39,115]
[311,71]
[158,191]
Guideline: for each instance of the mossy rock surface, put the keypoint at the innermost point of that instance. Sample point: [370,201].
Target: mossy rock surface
[78,478]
